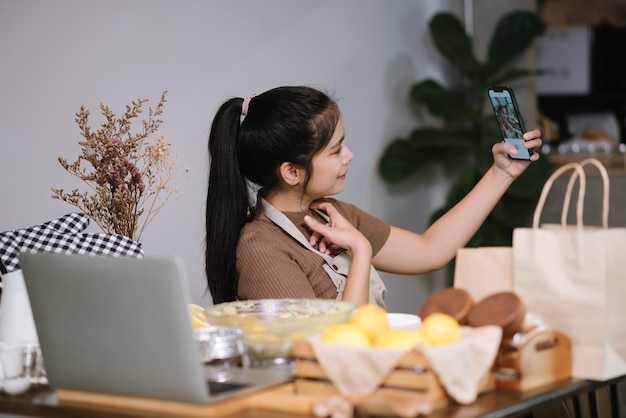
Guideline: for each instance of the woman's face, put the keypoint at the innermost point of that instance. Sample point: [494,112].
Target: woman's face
[330,166]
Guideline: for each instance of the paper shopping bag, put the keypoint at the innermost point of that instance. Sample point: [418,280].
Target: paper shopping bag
[483,271]
[574,277]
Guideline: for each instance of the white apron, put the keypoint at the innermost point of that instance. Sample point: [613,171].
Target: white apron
[336,267]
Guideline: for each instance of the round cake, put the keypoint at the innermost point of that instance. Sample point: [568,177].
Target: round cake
[451,301]
[504,309]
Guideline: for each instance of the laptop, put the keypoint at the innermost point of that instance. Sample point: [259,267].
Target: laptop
[121,326]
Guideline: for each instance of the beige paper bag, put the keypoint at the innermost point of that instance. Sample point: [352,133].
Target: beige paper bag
[483,271]
[574,276]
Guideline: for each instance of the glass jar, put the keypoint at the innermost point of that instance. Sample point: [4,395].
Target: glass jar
[221,348]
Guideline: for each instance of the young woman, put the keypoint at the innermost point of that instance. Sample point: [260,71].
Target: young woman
[511,129]
[290,239]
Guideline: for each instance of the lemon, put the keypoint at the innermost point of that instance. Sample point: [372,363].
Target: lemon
[370,318]
[403,339]
[198,316]
[346,334]
[439,328]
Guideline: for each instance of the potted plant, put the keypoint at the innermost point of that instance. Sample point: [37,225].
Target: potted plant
[467,130]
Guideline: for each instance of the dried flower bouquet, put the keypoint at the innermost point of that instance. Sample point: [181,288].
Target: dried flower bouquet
[128,172]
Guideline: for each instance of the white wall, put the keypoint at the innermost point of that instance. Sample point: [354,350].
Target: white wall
[59,55]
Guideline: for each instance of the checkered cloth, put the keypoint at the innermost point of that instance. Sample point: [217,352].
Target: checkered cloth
[63,235]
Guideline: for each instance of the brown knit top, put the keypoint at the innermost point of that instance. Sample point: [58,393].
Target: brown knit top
[271,264]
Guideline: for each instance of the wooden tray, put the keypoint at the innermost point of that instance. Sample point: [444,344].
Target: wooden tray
[276,398]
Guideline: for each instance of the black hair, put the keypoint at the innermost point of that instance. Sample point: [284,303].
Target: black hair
[284,124]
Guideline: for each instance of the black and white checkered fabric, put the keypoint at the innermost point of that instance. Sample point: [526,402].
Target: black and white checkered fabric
[63,235]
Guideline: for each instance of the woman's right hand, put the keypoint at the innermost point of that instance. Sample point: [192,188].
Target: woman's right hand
[337,234]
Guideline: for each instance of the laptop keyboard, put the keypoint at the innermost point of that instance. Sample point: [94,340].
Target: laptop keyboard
[216,388]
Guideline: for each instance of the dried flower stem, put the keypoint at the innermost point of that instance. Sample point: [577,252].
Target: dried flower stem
[126,171]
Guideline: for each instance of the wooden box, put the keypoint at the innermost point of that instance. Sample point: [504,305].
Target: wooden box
[412,384]
[541,358]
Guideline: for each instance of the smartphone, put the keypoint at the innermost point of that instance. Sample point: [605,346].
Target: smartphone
[509,119]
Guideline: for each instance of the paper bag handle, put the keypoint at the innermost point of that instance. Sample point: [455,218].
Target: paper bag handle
[548,185]
[605,191]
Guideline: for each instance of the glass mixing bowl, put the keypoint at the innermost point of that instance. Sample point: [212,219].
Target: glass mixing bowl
[270,326]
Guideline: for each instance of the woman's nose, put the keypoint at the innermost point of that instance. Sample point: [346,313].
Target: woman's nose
[348,155]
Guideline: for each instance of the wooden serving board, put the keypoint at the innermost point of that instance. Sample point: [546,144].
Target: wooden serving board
[277,398]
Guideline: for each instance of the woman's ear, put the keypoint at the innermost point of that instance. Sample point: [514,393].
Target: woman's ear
[291,174]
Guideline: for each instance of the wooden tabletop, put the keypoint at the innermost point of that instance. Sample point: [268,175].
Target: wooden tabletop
[44,402]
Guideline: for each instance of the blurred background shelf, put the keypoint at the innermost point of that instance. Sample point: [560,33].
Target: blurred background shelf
[615,163]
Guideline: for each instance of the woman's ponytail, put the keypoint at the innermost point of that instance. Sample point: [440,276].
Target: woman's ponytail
[227,203]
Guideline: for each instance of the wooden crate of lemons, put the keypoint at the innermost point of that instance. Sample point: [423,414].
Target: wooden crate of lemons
[412,379]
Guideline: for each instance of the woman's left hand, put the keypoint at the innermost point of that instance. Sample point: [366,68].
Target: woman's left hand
[512,166]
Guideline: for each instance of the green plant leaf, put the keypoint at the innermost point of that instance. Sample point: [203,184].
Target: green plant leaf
[530,183]
[511,75]
[511,211]
[453,43]
[464,183]
[513,35]
[440,101]
[405,157]
[490,234]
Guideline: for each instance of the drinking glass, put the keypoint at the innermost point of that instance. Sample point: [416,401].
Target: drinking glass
[20,366]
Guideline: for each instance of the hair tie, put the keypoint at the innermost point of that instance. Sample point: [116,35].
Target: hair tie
[245,105]
[244,109]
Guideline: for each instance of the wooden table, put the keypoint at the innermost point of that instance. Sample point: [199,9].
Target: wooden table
[580,395]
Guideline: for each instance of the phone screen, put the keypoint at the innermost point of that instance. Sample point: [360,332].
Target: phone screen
[509,119]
